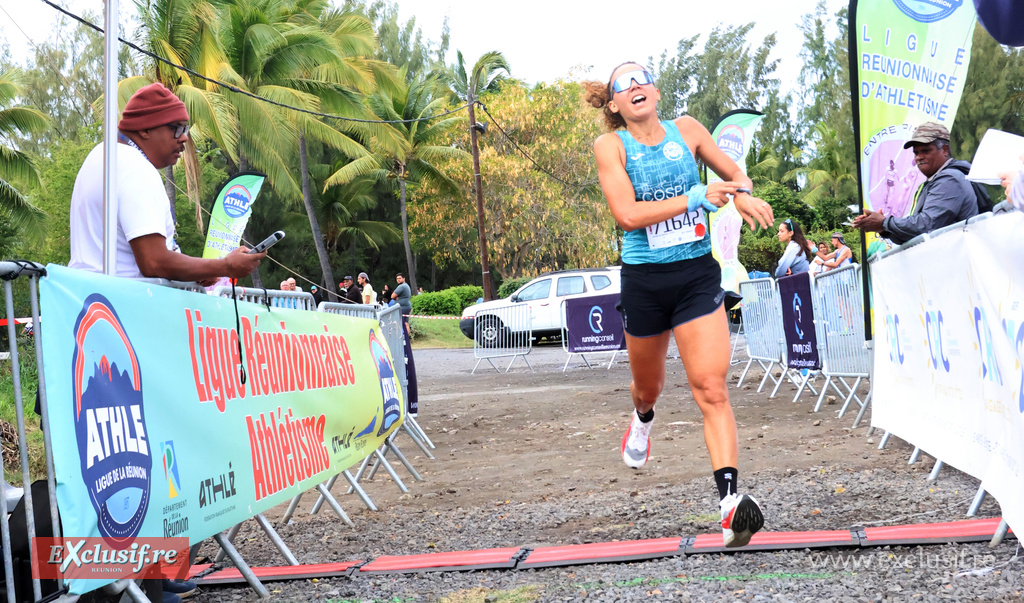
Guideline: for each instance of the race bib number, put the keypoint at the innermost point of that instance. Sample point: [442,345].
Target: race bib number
[684,228]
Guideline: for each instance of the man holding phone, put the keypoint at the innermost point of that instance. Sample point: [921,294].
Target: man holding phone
[151,134]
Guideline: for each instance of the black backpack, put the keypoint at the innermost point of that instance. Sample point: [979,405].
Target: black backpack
[984,200]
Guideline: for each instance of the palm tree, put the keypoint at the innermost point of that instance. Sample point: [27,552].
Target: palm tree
[468,86]
[415,161]
[827,174]
[184,32]
[17,166]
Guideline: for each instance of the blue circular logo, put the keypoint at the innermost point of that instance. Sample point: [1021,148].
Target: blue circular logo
[236,201]
[928,11]
[596,319]
[110,423]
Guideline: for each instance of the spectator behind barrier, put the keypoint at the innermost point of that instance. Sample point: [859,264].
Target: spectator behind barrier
[151,134]
[945,197]
[795,259]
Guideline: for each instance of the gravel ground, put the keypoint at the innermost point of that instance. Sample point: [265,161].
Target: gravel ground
[841,482]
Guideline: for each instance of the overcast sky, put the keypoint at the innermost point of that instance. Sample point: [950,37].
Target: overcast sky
[543,40]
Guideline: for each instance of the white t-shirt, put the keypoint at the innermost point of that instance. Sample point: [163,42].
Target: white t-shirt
[142,209]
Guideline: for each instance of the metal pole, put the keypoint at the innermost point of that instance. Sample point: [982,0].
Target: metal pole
[26,477]
[242,566]
[485,265]
[110,138]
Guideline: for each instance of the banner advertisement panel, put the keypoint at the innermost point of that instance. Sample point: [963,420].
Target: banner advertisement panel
[949,363]
[166,421]
[230,213]
[594,324]
[732,134]
[909,59]
[798,322]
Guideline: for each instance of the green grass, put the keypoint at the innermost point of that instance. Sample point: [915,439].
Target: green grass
[431,333]
[8,412]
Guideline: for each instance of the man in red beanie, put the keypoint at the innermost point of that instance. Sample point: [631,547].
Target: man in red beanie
[152,134]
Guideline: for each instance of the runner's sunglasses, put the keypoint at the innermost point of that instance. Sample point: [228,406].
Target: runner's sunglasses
[622,82]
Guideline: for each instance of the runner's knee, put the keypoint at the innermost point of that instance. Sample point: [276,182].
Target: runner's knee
[647,393]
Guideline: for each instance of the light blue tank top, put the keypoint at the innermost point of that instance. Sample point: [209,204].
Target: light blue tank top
[845,262]
[660,172]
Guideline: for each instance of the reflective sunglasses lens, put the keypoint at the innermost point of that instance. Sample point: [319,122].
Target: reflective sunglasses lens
[623,81]
[180,130]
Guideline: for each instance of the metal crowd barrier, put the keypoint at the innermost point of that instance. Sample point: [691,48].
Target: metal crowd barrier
[293,300]
[503,332]
[391,324]
[839,322]
[762,328]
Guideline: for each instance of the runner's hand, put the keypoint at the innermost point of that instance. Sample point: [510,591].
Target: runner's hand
[719,192]
[696,198]
[751,208]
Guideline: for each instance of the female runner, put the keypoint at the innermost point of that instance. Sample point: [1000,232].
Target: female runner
[670,281]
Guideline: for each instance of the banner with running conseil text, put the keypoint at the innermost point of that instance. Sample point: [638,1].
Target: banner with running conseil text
[949,359]
[909,59]
[732,134]
[156,435]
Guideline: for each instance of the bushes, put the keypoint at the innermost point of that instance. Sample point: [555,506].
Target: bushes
[467,294]
[440,303]
[509,287]
[450,302]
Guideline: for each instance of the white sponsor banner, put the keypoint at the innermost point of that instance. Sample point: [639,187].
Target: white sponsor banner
[949,318]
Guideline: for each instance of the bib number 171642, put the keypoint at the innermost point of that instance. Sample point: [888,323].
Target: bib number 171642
[684,228]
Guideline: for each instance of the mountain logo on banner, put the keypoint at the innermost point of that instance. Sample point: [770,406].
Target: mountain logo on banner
[237,201]
[110,425]
[388,384]
[732,140]
[928,11]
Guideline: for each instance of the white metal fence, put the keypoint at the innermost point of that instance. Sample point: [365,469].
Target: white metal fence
[839,321]
[762,327]
[293,300]
[502,332]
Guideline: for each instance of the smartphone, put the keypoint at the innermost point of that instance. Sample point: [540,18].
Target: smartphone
[268,242]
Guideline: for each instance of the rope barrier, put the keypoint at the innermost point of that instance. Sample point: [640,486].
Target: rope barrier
[434,317]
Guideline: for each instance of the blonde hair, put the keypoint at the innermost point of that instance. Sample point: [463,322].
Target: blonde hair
[598,94]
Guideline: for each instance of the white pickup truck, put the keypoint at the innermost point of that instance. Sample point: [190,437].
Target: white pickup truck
[544,296]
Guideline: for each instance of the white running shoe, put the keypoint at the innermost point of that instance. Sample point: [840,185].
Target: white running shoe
[636,444]
[741,517]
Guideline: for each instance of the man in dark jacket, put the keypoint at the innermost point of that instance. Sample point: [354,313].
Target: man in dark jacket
[353,292]
[945,198]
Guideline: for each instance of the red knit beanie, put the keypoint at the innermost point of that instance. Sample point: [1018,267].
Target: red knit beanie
[150,107]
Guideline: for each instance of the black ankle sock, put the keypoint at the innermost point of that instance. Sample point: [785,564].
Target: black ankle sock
[725,479]
[646,417]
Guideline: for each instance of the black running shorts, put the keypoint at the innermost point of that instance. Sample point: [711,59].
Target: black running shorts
[658,297]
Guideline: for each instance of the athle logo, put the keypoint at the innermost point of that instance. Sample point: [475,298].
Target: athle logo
[110,424]
[928,11]
[388,384]
[731,141]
